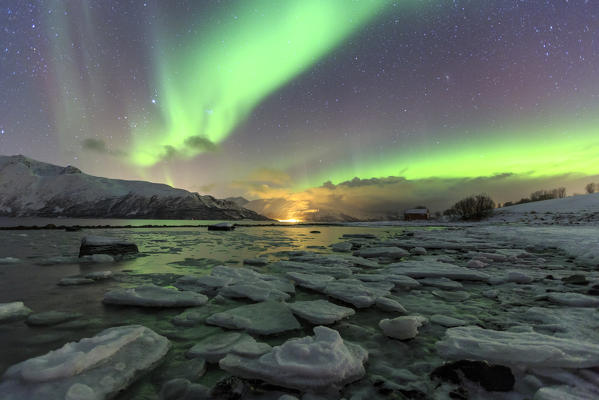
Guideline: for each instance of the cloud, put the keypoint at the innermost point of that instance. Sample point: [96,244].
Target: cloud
[201,143]
[381,198]
[193,145]
[99,146]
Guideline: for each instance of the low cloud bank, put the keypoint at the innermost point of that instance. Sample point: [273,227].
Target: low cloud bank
[387,198]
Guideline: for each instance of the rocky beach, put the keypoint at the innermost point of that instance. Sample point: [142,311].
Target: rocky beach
[479,311]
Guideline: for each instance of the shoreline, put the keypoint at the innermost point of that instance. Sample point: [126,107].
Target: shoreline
[63,227]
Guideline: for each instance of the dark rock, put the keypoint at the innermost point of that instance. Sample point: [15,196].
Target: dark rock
[576,280]
[257,262]
[493,378]
[106,245]
[594,290]
[223,226]
[314,231]
[231,388]
[359,236]
[459,394]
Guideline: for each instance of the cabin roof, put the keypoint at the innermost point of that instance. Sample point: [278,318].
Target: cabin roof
[417,211]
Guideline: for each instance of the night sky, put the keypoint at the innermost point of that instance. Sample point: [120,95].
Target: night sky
[354,106]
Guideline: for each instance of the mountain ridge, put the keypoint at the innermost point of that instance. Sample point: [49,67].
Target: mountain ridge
[33,188]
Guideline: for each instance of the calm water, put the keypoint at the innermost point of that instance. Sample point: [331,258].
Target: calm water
[46,256]
[34,221]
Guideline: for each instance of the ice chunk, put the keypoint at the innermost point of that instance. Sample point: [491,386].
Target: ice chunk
[387,304]
[317,364]
[320,312]
[447,321]
[13,311]
[435,269]
[264,318]
[402,328]
[360,294]
[524,348]
[154,296]
[93,368]
[215,347]
[387,252]
[310,281]
[572,299]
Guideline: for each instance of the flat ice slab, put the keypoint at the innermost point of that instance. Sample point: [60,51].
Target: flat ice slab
[435,269]
[521,348]
[154,296]
[93,368]
[215,347]
[320,312]
[266,318]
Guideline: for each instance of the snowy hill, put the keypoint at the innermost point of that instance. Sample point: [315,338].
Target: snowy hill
[33,188]
[574,209]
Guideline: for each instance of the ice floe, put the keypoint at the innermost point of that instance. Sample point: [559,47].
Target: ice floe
[320,363]
[94,368]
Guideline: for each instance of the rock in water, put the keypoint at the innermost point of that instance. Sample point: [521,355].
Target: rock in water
[94,368]
[317,364]
[529,349]
[154,296]
[266,318]
[223,226]
[493,378]
[106,245]
[13,311]
[320,312]
[402,328]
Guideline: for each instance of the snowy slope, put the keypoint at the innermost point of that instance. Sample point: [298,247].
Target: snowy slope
[33,188]
[574,209]
[580,203]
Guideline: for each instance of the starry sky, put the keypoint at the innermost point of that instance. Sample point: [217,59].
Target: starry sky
[354,106]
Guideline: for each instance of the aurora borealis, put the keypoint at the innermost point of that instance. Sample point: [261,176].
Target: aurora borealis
[306,104]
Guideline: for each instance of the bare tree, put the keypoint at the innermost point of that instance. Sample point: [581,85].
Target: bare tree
[472,208]
[591,188]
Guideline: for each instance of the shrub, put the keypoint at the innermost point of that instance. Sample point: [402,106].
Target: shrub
[472,208]
[557,193]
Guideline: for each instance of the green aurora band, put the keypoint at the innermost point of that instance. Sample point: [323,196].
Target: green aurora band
[528,150]
[208,87]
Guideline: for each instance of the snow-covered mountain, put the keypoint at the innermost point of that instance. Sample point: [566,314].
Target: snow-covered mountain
[33,188]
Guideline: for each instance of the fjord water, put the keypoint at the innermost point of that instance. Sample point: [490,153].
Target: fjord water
[46,256]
